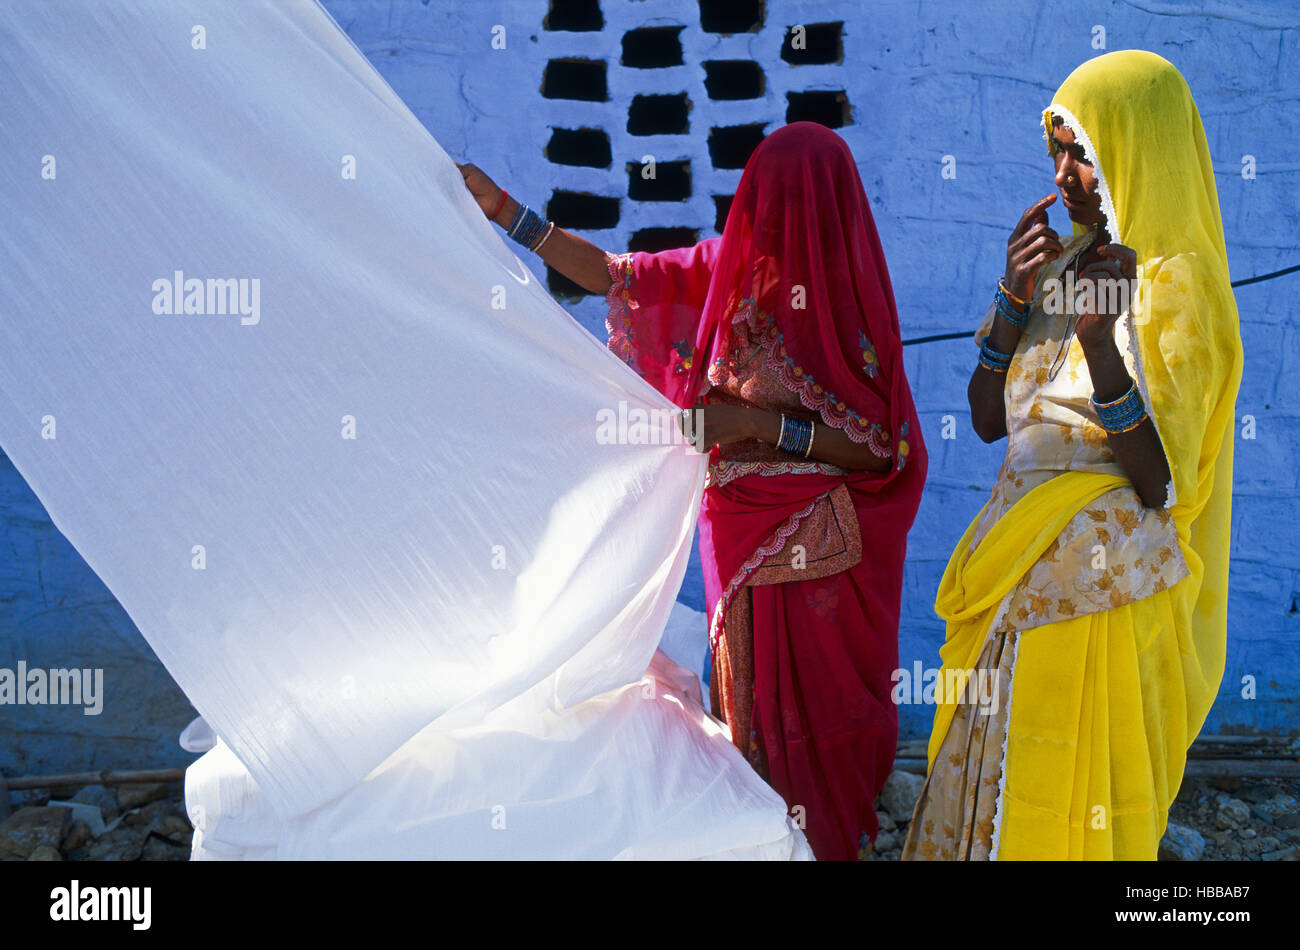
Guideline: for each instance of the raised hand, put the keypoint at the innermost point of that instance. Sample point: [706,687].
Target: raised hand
[1031,245]
[486,192]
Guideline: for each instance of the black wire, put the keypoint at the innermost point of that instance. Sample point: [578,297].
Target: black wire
[966,334]
[1256,280]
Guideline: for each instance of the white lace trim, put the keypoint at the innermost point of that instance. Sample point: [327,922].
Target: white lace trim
[1081,137]
[996,840]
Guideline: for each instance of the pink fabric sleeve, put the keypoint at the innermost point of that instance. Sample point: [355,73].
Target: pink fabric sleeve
[655,304]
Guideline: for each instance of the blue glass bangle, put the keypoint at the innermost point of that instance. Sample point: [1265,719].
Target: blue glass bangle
[993,360]
[526,227]
[796,436]
[1017,318]
[1001,291]
[1123,414]
[994,355]
[514,222]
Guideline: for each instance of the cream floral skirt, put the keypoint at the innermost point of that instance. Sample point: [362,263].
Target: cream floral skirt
[956,816]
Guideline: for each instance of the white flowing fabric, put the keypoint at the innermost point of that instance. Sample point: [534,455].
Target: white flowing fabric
[362,515]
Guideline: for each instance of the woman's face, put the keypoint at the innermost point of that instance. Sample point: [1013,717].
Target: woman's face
[1076,178]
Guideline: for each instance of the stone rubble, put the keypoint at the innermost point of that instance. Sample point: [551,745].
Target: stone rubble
[145,822]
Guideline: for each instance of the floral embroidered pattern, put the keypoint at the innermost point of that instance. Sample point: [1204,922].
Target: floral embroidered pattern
[903,447]
[1104,558]
[685,356]
[870,364]
[823,602]
[811,393]
[723,471]
[619,298]
[864,847]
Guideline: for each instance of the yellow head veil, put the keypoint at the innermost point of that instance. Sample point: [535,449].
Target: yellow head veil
[1135,118]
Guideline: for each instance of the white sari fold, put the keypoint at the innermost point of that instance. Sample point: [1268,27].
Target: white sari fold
[334,448]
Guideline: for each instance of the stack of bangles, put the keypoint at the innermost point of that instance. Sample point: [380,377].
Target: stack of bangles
[796,436]
[1014,310]
[1015,313]
[1124,414]
[527,228]
[993,360]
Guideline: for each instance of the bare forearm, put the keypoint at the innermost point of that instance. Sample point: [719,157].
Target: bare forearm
[574,257]
[1138,451]
[988,408]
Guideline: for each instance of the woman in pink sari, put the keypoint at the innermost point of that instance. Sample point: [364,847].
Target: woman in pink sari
[783,331]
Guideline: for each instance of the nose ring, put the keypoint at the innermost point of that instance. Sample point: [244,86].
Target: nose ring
[1069,179]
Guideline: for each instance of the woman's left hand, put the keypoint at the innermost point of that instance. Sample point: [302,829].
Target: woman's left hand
[716,424]
[1097,324]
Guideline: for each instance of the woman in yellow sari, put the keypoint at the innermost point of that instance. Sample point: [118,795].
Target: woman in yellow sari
[1089,596]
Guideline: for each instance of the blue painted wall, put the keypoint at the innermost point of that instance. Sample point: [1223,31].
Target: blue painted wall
[923,80]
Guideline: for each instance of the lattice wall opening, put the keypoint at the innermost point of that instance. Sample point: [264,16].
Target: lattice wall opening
[663,116]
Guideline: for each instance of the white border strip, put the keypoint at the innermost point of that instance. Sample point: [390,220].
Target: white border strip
[996,840]
[1112,220]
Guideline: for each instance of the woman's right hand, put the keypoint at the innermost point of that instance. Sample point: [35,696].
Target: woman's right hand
[485,191]
[1031,245]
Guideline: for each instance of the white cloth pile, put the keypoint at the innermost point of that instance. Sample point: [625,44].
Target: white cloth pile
[333,448]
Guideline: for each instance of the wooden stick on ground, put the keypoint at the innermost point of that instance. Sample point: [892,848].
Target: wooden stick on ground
[104,777]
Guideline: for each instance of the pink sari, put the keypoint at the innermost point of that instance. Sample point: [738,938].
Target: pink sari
[799,277]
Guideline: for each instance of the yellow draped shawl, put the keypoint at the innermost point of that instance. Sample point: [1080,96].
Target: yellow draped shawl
[1105,706]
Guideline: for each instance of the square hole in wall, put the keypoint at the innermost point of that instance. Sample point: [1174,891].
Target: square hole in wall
[662,239]
[813,43]
[586,147]
[830,109]
[731,16]
[731,146]
[653,47]
[582,79]
[721,208]
[576,16]
[582,211]
[727,79]
[671,181]
[659,115]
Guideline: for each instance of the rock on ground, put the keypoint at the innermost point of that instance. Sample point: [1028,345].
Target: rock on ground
[1181,844]
[135,795]
[899,795]
[31,827]
[145,823]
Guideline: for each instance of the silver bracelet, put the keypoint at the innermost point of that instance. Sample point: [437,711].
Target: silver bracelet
[550,226]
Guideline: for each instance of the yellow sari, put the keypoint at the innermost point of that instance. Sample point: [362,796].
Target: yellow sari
[1104,705]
